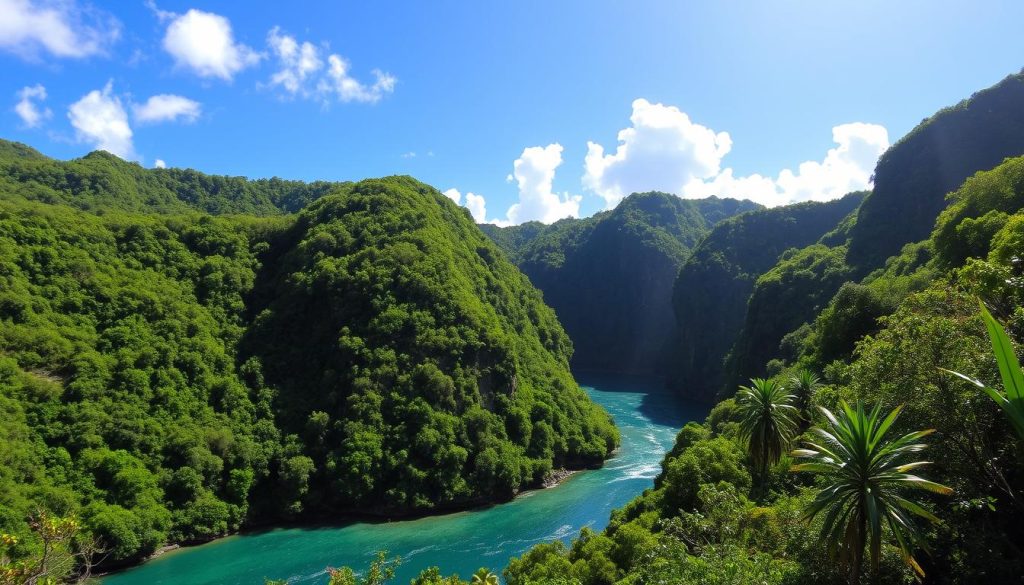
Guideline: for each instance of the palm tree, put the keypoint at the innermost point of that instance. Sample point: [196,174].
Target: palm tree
[804,384]
[867,476]
[1011,398]
[768,421]
[484,576]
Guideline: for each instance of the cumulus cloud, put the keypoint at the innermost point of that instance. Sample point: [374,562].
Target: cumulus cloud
[845,168]
[534,173]
[62,28]
[159,164]
[166,108]
[297,61]
[454,195]
[346,88]
[476,204]
[31,113]
[204,43]
[664,150]
[302,71]
[100,119]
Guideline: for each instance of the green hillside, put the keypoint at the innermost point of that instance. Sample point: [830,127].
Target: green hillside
[912,182]
[173,377]
[102,181]
[913,177]
[715,517]
[609,277]
[713,287]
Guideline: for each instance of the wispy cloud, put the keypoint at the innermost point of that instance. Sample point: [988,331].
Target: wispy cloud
[304,71]
[32,114]
[61,28]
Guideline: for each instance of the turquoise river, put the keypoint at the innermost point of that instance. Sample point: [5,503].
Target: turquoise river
[647,416]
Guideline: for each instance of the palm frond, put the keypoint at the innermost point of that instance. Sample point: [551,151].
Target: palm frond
[868,475]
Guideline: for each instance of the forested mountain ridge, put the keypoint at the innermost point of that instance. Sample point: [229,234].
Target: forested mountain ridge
[424,352]
[100,180]
[914,176]
[941,461]
[170,377]
[913,181]
[712,288]
[609,277]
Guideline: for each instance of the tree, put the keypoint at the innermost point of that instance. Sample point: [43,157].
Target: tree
[484,576]
[1011,398]
[65,555]
[866,477]
[804,384]
[768,421]
[380,572]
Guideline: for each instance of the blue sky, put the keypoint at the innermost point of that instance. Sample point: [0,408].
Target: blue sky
[521,104]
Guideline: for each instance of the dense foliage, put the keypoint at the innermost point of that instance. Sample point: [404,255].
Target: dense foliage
[713,287]
[418,364]
[171,377]
[711,519]
[913,177]
[101,181]
[609,277]
[847,272]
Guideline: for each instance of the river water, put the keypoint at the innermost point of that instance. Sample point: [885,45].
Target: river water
[647,416]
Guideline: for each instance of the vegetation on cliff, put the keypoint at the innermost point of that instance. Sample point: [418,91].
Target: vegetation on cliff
[170,377]
[609,277]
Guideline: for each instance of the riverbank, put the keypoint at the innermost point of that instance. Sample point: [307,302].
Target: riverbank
[553,479]
[457,542]
[557,476]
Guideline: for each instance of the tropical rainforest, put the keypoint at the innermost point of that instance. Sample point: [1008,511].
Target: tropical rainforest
[868,424]
[182,355]
[170,373]
[609,277]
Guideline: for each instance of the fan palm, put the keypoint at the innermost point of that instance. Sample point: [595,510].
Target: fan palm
[484,576]
[804,384]
[867,479]
[768,421]
[1011,398]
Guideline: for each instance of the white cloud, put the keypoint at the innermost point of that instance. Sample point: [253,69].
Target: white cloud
[663,150]
[159,164]
[204,42]
[161,15]
[534,172]
[846,168]
[297,61]
[167,108]
[476,204]
[31,114]
[100,119]
[411,154]
[302,72]
[62,28]
[454,195]
[349,89]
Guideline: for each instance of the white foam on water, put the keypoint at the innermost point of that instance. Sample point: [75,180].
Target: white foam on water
[417,551]
[648,471]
